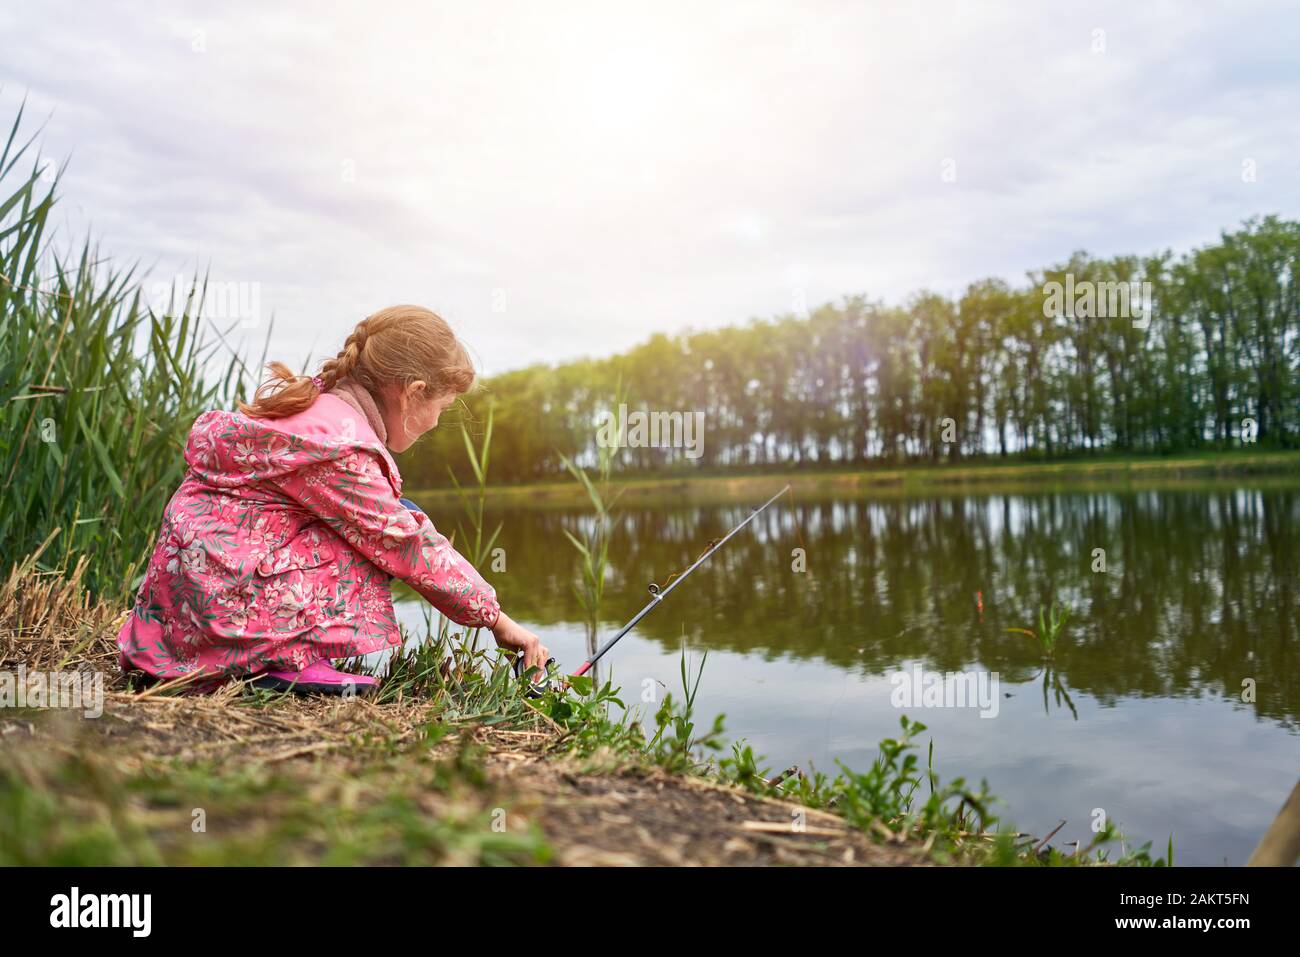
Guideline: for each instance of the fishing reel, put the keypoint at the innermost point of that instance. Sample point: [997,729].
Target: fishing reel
[540,684]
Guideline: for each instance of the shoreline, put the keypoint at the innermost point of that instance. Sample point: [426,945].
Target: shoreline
[1210,470]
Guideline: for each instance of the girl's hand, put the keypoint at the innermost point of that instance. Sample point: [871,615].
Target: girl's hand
[514,636]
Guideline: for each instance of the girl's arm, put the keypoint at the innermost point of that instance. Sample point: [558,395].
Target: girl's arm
[352,496]
[508,632]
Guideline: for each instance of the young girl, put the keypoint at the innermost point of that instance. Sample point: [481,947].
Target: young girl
[276,552]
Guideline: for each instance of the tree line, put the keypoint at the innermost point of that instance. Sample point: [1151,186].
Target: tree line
[1132,354]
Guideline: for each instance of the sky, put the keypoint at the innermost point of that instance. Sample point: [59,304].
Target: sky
[564,179]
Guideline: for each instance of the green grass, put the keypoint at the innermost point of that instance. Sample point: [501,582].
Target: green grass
[954,821]
[385,805]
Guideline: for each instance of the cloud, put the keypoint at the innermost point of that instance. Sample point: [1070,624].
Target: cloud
[606,171]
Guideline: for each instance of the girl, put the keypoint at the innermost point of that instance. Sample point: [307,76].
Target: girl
[276,552]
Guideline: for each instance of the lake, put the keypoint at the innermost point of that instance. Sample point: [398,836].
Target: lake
[1144,714]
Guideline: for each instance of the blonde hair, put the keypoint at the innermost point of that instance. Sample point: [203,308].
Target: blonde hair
[394,346]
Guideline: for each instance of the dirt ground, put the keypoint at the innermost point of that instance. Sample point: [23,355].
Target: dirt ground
[659,819]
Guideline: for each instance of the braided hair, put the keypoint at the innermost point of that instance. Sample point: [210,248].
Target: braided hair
[393,347]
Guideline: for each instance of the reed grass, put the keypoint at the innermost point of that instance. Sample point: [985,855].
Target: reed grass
[1051,623]
[97,391]
[593,546]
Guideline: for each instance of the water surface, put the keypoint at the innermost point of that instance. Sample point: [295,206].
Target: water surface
[1140,714]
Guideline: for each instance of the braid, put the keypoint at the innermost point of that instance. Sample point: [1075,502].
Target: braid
[395,346]
[349,360]
[333,371]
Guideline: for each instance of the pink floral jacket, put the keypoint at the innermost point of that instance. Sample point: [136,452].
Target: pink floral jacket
[277,550]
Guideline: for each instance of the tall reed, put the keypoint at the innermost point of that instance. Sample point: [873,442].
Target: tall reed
[593,546]
[97,391]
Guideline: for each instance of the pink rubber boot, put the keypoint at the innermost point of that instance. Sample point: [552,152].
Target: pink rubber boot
[318,678]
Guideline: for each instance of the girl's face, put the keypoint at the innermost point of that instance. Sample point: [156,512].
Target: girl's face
[409,413]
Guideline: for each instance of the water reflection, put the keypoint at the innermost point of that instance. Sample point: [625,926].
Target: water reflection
[1198,594]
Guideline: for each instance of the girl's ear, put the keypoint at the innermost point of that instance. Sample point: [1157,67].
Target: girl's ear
[407,395]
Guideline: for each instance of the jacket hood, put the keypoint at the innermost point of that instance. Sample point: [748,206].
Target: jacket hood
[230,449]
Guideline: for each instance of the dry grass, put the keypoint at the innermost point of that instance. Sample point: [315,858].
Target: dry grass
[49,621]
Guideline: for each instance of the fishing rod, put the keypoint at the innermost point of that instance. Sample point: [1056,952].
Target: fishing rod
[657,595]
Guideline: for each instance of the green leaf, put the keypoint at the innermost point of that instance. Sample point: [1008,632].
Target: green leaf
[101,453]
[580,546]
[473,457]
[580,683]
